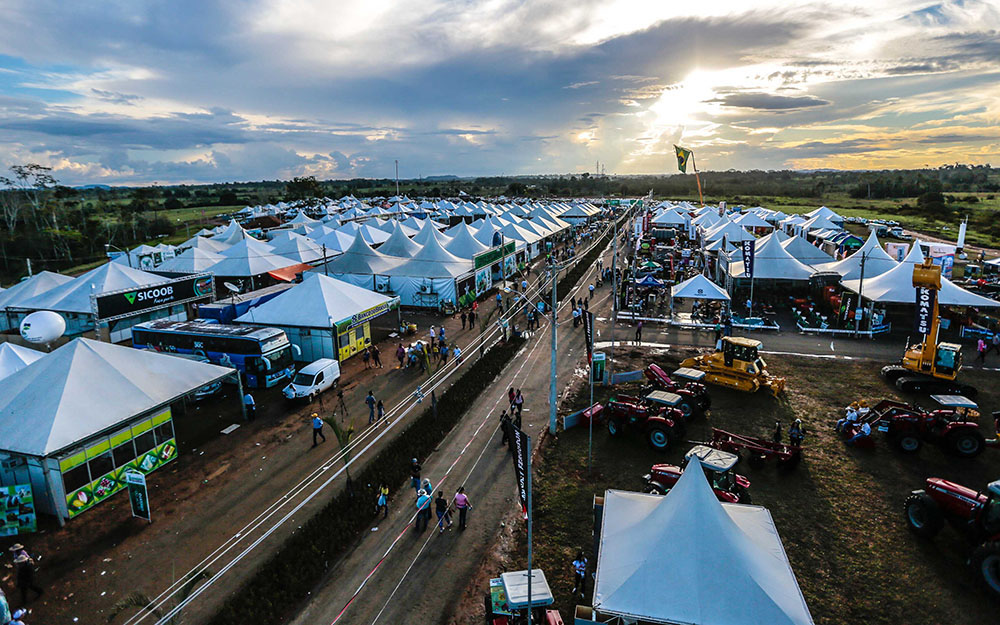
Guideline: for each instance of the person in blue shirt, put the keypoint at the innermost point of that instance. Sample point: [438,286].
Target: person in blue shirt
[371,401]
[250,405]
[317,424]
[423,510]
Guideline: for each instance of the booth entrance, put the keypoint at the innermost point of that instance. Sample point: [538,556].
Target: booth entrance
[353,340]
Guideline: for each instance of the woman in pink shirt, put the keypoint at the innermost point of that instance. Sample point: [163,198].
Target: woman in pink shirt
[463,505]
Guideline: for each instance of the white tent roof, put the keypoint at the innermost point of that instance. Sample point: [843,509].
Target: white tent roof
[39,283]
[249,257]
[361,259]
[373,235]
[202,243]
[399,245]
[699,287]
[74,296]
[302,218]
[191,260]
[335,241]
[896,286]
[669,218]
[297,247]
[820,222]
[429,231]
[825,213]
[752,220]
[877,261]
[733,232]
[773,262]
[463,242]
[804,251]
[433,261]
[13,358]
[686,558]
[232,233]
[86,387]
[313,303]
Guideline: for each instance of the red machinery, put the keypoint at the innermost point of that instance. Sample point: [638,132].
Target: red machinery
[907,426]
[658,423]
[759,450]
[694,396]
[975,513]
[729,486]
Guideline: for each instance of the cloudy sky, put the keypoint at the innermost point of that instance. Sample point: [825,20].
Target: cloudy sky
[142,91]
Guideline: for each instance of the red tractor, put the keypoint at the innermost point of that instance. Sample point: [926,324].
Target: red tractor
[974,513]
[694,396]
[729,486]
[660,424]
[908,426]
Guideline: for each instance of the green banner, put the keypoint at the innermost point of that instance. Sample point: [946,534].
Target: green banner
[17,505]
[492,256]
[137,495]
[114,481]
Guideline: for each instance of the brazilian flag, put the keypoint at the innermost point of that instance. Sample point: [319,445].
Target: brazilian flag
[683,156]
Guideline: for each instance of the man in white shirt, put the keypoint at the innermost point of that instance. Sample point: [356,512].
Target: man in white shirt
[864,432]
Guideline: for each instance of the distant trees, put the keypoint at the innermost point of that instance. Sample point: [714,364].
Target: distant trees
[302,188]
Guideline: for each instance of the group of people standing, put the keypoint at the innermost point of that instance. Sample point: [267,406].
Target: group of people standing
[24,577]
[425,496]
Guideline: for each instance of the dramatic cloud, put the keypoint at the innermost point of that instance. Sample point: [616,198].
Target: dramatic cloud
[204,90]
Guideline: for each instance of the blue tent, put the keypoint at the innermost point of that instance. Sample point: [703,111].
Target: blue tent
[650,281]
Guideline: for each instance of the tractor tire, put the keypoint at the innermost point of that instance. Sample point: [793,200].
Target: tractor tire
[907,443]
[923,515]
[687,409]
[615,427]
[655,489]
[658,438]
[985,561]
[967,444]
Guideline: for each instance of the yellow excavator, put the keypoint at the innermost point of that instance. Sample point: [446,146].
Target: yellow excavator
[737,365]
[929,366]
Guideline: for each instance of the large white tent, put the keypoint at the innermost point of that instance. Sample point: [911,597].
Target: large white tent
[74,296]
[876,261]
[398,244]
[463,241]
[203,243]
[699,287]
[896,286]
[773,262]
[13,358]
[669,218]
[249,258]
[359,264]
[296,247]
[687,558]
[28,288]
[191,260]
[731,231]
[803,250]
[428,278]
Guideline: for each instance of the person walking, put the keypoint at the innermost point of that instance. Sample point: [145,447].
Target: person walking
[379,412]
[519,402]
[250,405]
[580,573]
[423,510]
[981,348]
[25,576]
[382,501]
[463,317]
[444,353]
[366,357]
[401,355]
[718,335]
[443,514]
[510,398]
[376,356]
[372,402]
[591,289]
[499,302]
[463,505]
[638,333]
[317,426]
[504,420]
[415,474]
[776,434]
[576,317]
[995,342]
[441,337]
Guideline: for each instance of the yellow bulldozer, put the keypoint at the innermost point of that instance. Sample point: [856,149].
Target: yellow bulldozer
[929,366]
[737,365]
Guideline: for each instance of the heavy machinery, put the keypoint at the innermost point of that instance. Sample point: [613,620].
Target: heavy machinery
[659,424]
[929,366]
[729,486]
[953,427]
[695,401]
[976,514]
[737,365]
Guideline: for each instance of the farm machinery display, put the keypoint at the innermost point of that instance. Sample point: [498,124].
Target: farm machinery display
[907,427]
[718,465]
[758,450]
[976,514]
[929,366]
[694,396]
[660,424]
[737,365]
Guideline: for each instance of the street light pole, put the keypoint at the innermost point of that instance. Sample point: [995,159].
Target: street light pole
[552,372]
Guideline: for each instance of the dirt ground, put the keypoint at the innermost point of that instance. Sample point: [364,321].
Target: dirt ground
[839,513]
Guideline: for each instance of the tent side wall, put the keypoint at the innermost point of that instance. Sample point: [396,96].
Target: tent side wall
[423,292]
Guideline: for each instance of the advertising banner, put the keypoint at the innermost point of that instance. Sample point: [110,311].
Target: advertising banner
[944,257]
[128,302]
[465,287]
[484,281]
[106,485]
[748,248]
[925,309]
[509,266]
[897,250]
[138,497]
[17,504]
[588,334]
[520,447]
[494,255]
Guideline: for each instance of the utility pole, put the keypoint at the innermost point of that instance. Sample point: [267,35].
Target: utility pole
[861,289]
[397,179]
[29,268]
[552,372]
[528,443]
[614,304]
[326,272]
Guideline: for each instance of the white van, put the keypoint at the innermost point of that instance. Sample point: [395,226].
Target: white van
[313,379]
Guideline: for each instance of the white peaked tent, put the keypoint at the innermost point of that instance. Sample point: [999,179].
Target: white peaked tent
[876,261]
[428,278]
[752,220]
[428,232]
[687,558]
[774,234]
[731,231]
[249,257]
[826,213]
[372,235]
[896,286]
[232,233]
[699,287]
[13,358]
[202,243]
[399,245]
[192,260]
[359,264]
[463,242]
[302,218]
[314,302]
[74,296]
[334,240]
[669,218]
[803,250]
[39,283]
[773,262]
[716,246]
[296,247]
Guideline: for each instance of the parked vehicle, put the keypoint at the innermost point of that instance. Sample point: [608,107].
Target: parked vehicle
[976,514]
[909,426]
[729,486]
[695,401]
[758,450]
[659,423]
[313,379]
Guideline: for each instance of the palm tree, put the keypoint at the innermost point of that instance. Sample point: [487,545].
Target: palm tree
[344,436]
[140,600]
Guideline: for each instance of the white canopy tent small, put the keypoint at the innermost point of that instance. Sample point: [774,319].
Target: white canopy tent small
[398,244]
[359,264]
[463,242]
[698,287]
[13,358]
[191,260]
[803,250]
[876,261]
[773,262]
[686,558]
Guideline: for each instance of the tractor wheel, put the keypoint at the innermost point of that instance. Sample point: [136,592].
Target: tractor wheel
[655,489]
[659,438]
[907,443]
[614,427]
[923,515]
[985,562]
[687,409]
[967,444]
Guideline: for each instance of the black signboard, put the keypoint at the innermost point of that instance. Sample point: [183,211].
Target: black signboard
[520,447]
[748,251]
[126,303]
[588,334]
[925,309]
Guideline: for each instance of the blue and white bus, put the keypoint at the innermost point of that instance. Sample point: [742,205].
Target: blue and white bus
[262,355]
